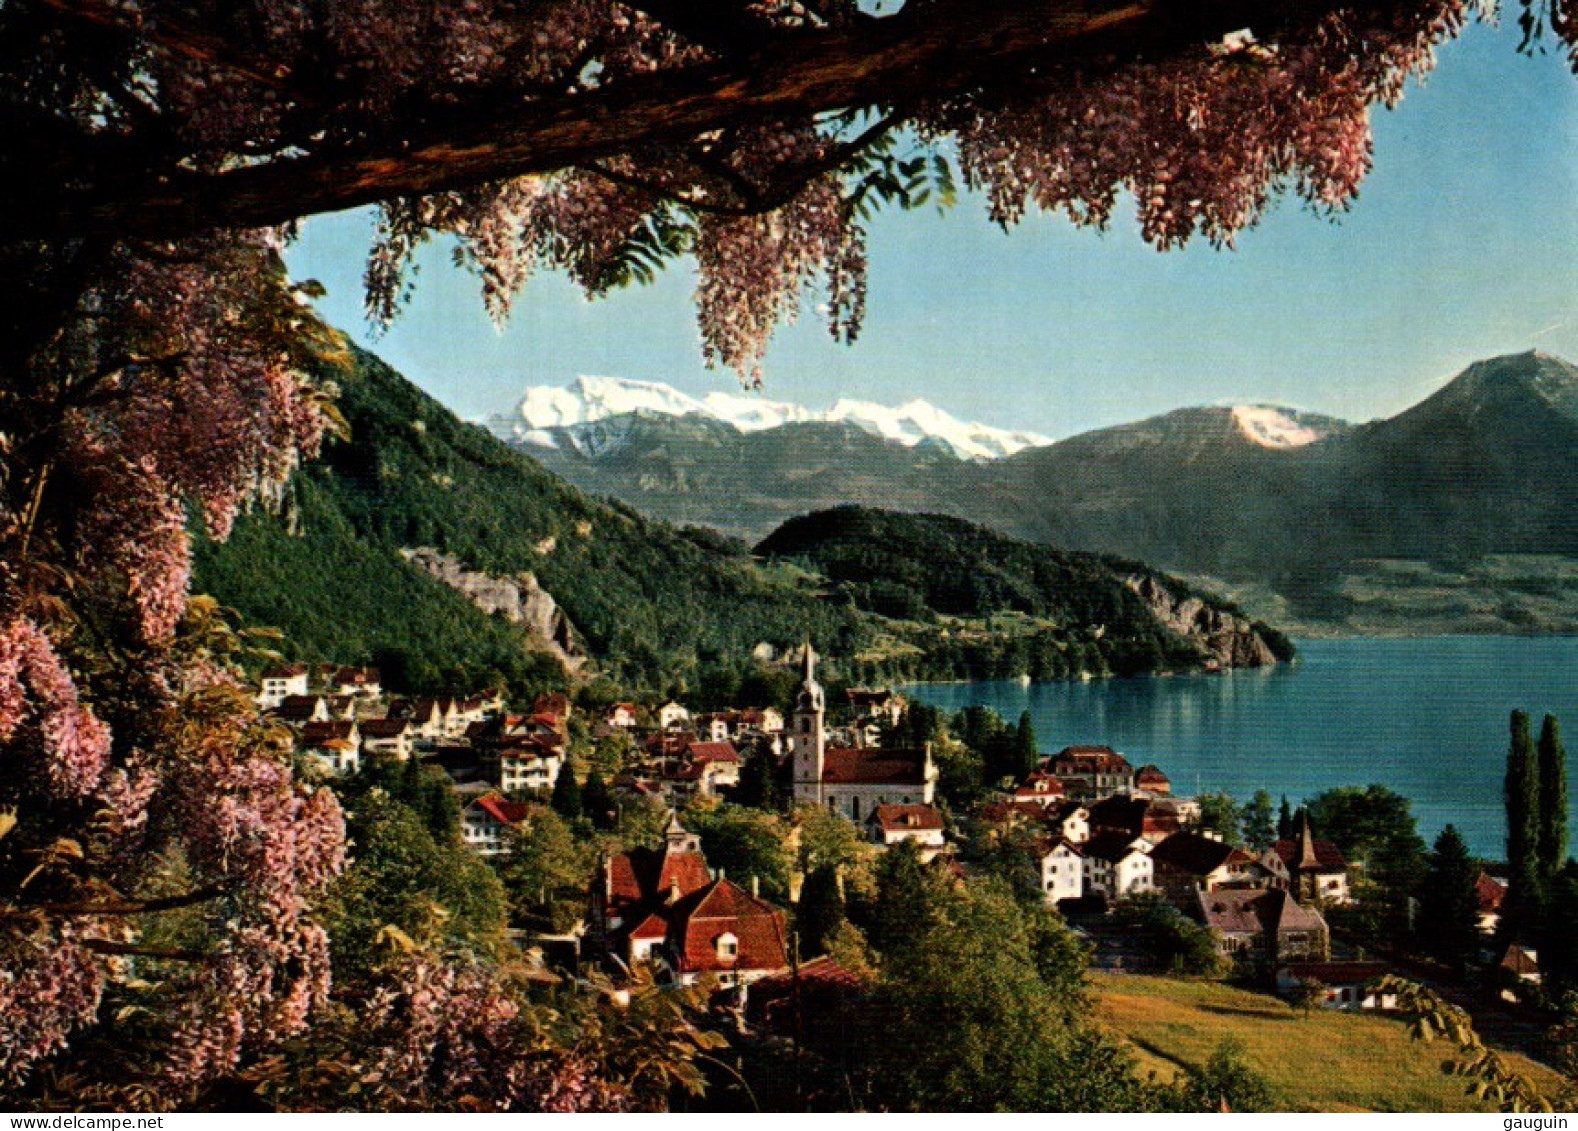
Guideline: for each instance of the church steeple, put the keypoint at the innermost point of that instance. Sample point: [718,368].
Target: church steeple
[807,738]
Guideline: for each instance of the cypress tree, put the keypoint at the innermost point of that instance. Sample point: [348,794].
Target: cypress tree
[1285,820]
[1026,753]
[566,799]
[820,910]
[1522,793]
[1449,904]
[597,802]
[1553,797]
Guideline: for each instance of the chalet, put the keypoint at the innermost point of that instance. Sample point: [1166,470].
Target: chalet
[427,719]
[851,780]
[364,682]
[299,710]
[533,763]
[662,906]
[1150,780]
[486,823]
[1186,863]
[761,720]
[1040,788]
[1062,864]
[392,737]
[672,716]
[1317,872]
[1349,985]
[1097,771]
[1489,891]
[890,824]
[336,744]
[1267,925]
[277,683]
[719,765]
[621,715]
[1116,865]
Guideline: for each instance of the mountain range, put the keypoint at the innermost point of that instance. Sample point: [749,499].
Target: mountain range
[1458,514]
[427,546]
[585,417]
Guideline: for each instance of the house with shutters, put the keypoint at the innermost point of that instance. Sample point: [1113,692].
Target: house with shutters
[852,780]
[299,710]
[664,907]
[533,763]
[1040,788]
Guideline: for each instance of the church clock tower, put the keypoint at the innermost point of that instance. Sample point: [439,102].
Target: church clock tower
[807,737]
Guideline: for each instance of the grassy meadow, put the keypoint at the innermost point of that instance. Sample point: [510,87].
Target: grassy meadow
[1328,1061]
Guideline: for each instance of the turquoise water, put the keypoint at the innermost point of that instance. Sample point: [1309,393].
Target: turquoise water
[1427,717]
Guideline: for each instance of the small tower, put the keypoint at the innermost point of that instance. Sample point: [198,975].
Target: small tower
[678,839]
[807,738]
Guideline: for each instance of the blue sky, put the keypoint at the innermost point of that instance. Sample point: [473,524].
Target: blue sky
[1463,244]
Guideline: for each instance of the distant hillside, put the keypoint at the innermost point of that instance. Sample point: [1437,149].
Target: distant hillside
[650,605]
[1060,614]
[1460,514]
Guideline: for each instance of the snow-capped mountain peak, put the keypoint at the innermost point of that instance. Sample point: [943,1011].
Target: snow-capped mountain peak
[547,412]
[1273,427]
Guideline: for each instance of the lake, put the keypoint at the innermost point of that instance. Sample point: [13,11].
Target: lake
[1426,717]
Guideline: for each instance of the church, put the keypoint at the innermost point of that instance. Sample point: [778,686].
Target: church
[852,780]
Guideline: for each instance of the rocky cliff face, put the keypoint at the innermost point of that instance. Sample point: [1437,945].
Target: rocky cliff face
[519,599]
[1225,639]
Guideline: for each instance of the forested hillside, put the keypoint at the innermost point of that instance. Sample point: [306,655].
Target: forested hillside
[653,606]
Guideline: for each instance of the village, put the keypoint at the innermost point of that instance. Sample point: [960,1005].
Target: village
[1096,836]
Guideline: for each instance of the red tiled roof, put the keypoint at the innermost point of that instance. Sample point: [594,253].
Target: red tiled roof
[509,813]
[712,752]
[1490,892]
[649,873]
[847,765]
[1245,911]
[723,907]
[1047,845]
[286,671]
[358,676]
[1093,759]
[899,818]
[654,926]
[1151,774]
[1328,856]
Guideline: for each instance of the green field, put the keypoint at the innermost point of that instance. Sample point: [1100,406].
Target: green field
[1327,1062]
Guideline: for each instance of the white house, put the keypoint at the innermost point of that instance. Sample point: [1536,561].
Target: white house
[365,682]
[1117,865]
[672,716]
[391,737]
[1071,821]
[280,682]
[337,745]
[1062,870]
[529,766]
[891,824]
[485,824]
